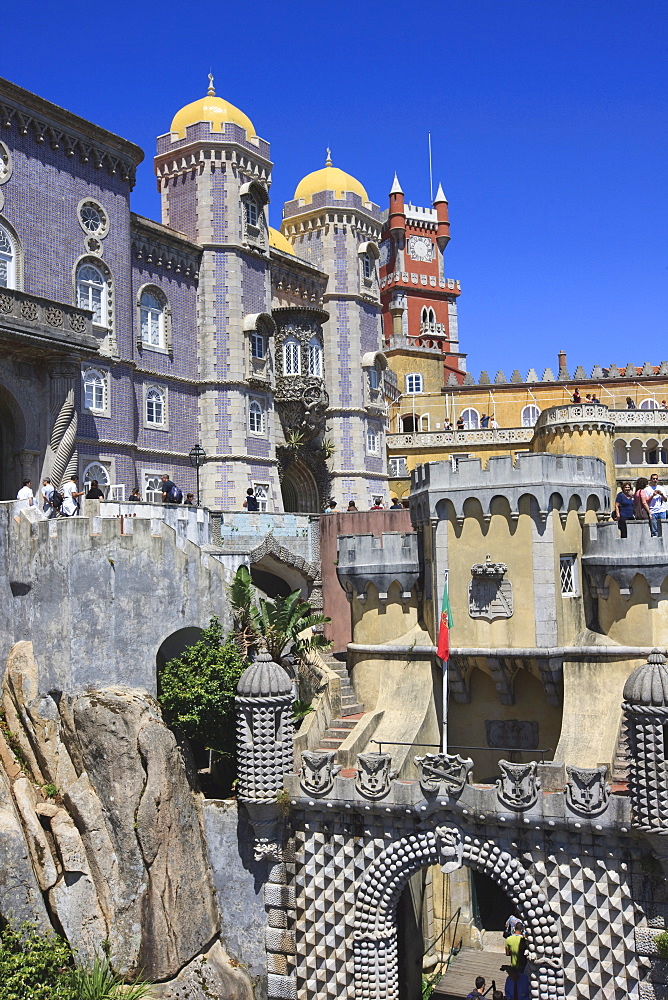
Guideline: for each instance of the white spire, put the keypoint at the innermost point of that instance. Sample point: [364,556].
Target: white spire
[396,186]
[440,195]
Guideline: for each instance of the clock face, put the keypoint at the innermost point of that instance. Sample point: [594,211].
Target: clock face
[385,253]
[420,248]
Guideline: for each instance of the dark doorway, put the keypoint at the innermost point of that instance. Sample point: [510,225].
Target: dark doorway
[299,490]
[269,583]
[174,645]
[9,483]
[491,906]
[410,938]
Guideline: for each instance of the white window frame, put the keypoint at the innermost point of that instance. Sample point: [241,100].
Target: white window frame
[471,418]
[397,469]
[568,575]
[8,257]
[153,425]
[649,404]
[252,213]
[258,345]
[372,439]
[86,477]
[374,378]
[262,493]
[367,267]
[86,287]
[152,495]
[149,313]
[414,388]
[527,414]
[103,377]
[315,357]
[292,352]
[255,407]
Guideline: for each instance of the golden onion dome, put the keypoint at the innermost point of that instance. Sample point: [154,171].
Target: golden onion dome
[279,242]
[210,109]
[329,178]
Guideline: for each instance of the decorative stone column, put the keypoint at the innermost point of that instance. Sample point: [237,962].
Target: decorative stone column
[646,709]
[61,458]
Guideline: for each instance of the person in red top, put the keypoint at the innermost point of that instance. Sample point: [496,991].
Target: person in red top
[577,398]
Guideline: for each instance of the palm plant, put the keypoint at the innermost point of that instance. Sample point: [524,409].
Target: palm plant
[280,622]
[241,593]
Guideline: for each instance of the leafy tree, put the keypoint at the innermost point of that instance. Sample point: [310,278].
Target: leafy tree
[241,594]
[34,965]
[280,621]
[197,689]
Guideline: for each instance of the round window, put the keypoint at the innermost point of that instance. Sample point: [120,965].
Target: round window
[5,163]
[92,218]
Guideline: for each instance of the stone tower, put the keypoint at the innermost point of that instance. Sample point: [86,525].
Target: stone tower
[332,223]
[214,174]
[646,708]
[264,730]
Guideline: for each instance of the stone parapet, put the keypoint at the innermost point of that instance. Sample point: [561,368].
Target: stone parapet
[382,561]
[607,554]
[33,320]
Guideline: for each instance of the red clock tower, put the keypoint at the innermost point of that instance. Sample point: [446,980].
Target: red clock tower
[419,303]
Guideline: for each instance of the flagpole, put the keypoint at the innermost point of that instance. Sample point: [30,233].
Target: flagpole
[444,732]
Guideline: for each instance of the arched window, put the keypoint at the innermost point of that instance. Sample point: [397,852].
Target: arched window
[649,404]
[414,383]
[471,419]
[255,417]
[155,407]
[152,318]
[292,359]
[96,471]
[95,391]
[372,439]
[92,292]
[530,415]
[315,358]
[7,260]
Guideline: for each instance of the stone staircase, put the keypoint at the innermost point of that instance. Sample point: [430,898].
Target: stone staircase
[351,710]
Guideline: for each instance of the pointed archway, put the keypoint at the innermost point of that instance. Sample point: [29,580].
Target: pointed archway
[300,490]
[376,937]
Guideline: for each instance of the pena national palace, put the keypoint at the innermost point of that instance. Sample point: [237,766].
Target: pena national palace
[263,433]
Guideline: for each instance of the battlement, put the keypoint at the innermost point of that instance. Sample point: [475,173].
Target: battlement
[554,481]
[598,374]
[382,561]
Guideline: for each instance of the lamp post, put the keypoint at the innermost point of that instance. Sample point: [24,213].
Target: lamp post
[197,458]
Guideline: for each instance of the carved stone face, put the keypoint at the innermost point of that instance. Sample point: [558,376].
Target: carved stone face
[317,771]
[373,774]
[451,848]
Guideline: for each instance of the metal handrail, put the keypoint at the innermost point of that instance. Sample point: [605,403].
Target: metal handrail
[396,743]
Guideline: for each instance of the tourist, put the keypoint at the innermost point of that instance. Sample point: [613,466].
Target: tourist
[657,500]
[190,500]
[517,986]
[630,405]
[170,491]
[447,426]
[25,496]
[377,504]
[516,946]
[395,505]
[497,995]
[624,508]
[494,424]
[331,507]
[94,491]
[588,398]
[352,506]
[460,423]
[576,397]
[47,492]
[511,925]
[71,496]
[596,400]
[479,990]
[250,503]
[640,503]
[135,496]
[484,421]
[664,405]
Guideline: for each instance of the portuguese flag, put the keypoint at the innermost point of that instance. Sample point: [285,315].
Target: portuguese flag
[443,647]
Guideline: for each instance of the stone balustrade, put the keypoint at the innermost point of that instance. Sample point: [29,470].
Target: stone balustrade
[39,317]
[469,439]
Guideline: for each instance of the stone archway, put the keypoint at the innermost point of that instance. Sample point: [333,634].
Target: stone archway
[300,490]
[375,944]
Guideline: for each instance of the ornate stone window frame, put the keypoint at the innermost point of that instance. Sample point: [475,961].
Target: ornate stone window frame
[162,389]
[257,405]
[368,255]
[315,354]
[166,347]
[254,198]
[16,279]
[109,302]
[86,463]
[256,325]
[6,170]
[103,373]
[373,439]
[84,213]
[292,341]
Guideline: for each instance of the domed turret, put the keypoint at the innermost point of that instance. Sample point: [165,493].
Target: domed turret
[279,242]
[329,178]
[210,109]
[263,679]
[264,730]
[646,708]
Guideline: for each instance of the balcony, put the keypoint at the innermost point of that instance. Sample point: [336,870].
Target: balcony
[32,320]
[606,554]
[460,439]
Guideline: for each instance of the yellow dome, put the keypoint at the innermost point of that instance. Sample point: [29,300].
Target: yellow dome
[279,242]
[329,178]
[210,109]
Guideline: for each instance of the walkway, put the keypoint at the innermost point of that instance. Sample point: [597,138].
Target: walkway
[460,978]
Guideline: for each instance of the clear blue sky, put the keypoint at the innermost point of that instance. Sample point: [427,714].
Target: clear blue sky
[548,122]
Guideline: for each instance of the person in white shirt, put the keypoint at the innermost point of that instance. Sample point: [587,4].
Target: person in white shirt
[70,497]
[25,496]
[657,500]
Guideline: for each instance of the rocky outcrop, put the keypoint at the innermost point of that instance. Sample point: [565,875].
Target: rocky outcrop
[117,853]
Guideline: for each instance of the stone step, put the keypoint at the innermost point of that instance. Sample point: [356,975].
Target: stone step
[355,709]
[329,744]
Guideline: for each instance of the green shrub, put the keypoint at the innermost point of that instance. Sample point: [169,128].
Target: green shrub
[661,942]
[100,982]
[197,690]
[34,966]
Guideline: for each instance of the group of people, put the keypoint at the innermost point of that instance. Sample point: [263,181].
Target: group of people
[377,504]
[648,502]
[517,982]
[589,398]
[64,500]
